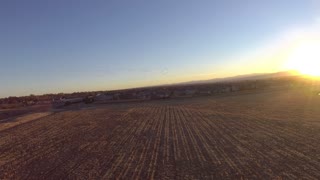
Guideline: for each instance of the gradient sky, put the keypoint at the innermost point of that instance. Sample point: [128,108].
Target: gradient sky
[50,46]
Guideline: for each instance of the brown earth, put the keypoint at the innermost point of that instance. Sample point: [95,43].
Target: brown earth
[269,135]
[20,111]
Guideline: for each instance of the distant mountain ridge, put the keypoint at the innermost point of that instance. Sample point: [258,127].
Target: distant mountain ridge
[255,76]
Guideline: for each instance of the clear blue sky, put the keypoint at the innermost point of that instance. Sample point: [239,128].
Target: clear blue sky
[49,46]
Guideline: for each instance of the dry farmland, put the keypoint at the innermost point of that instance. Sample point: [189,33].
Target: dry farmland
[251,136]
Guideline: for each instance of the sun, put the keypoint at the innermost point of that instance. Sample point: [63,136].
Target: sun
[305,58]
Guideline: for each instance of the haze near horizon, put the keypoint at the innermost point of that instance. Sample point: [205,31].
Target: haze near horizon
[67,46]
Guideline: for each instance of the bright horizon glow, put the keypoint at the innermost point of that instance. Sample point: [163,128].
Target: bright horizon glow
[305,57]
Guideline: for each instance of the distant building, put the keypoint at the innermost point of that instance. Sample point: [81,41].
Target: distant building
[103,97]
[226,89]
[116,96]
[144,95]
[190,92]
[30,103]
[161,95]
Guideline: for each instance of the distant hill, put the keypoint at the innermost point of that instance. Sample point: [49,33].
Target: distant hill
[255,76]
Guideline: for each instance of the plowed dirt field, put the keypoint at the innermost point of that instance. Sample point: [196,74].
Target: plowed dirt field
[250,136]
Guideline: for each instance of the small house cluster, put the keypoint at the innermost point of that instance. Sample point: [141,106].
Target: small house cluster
[154,93]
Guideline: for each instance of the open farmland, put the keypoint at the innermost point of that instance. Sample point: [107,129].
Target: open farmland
[258,135]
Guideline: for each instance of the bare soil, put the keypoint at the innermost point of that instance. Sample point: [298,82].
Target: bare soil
[20,111]
[269,135]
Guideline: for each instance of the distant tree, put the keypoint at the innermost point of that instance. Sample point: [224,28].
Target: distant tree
[13,100]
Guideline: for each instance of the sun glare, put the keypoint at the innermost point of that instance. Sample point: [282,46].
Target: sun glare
[305,58]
